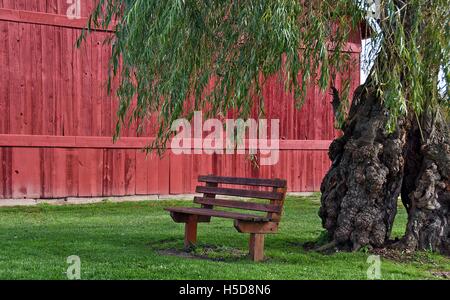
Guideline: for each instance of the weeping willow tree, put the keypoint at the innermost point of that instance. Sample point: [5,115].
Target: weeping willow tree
[395,131]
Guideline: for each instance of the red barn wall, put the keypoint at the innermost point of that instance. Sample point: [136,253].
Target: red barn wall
[57,119]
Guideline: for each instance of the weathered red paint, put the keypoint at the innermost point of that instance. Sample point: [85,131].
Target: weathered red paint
[57,119]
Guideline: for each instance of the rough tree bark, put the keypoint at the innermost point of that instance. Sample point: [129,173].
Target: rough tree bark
[370,168]
[426,186]
[360,191]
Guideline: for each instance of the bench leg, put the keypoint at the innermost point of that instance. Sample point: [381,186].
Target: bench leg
[190,231]
[256,246]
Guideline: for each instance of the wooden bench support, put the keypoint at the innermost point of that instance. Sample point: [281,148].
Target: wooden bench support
[255,227]
[256,246]
[190,231]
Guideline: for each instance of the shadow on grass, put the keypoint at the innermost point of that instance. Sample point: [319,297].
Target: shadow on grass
[201,251]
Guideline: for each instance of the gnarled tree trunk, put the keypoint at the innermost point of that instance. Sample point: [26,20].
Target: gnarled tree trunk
[370,169]
[360,191]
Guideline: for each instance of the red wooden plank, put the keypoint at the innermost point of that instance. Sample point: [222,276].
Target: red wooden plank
[98,84]
[8,3]
[26,175]
[176,173]
[52,6]
[47,172]
[20,4]
[187,172]
[77,87]
[48,91]
[62,7]
[4,78]
[57,82]
[152,174]
[164,174]
[310,164]
[68,116]
[305,174]
[14,80]
[30,5]
[42,6]
[108,174]
[60,173]
[128,143]
[130,172]
[106,98]
[84,91]
[90,172]
[38,102]
[142,176]
[118,179]
[26,81]
[6,172]
[142,173]
[72,169]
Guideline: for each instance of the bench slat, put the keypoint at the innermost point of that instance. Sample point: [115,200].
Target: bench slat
[239,193]
[238,204]
[217,213]
[244,181]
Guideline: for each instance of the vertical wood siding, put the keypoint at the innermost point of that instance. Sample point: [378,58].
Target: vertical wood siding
[56,119]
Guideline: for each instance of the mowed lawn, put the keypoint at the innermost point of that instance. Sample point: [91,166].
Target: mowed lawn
[139,240]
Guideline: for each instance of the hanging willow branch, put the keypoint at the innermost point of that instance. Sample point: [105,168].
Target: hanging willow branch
[216,53]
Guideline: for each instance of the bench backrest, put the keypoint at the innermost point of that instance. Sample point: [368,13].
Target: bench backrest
[275,194]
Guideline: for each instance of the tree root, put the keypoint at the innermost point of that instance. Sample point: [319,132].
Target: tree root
[326,246]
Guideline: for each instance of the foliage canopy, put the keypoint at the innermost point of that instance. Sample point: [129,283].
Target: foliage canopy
[166,52]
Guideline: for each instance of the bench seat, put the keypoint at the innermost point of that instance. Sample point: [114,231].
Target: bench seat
[218,213]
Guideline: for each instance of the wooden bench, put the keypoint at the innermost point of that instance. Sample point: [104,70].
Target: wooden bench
[244,222]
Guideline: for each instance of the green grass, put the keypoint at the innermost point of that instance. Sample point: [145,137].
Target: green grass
[133,240]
